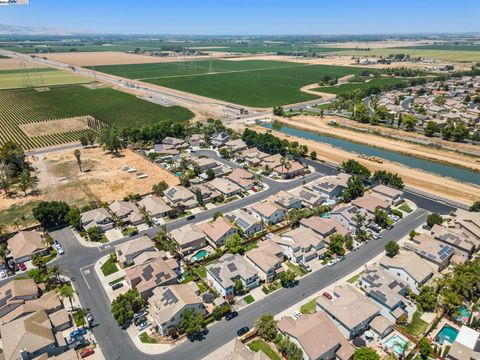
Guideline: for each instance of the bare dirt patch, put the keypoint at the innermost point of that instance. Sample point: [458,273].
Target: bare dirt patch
[12,64]
[56,126]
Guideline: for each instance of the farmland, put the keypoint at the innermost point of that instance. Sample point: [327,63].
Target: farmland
[256,83]
[428,53]
[11,79]
[26,106]
[340,89]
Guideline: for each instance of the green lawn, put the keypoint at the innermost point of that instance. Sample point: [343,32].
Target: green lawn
[109,267]
[201,271]
[405,208]
[340,89]
[310,307]
[354,278]
[251,246]
[23,106]
[146,339]
[11,79]
[249,299]
[116,281]
[79,317]
[417,326]
[297,269]
[260,345]
[257,83]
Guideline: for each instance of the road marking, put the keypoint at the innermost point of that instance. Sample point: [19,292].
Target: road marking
[84,273]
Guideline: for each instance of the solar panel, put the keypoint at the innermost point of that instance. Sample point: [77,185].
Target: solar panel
[242,223]
[169,297]
[232,267]
[147,272]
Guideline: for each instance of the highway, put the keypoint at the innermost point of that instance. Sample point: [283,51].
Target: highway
[78,262]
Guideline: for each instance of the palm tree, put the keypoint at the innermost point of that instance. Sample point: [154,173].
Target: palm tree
[16,223]
[66,291]
[54,271]
[77,154]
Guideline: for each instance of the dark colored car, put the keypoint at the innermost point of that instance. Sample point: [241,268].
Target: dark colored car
[22,266]
[80,344]
[242,331]
[231,315]
[190,217]
[133,233]
[87,352]
[117,286]
[327,295]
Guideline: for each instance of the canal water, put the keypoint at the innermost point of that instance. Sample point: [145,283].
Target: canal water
[454,172]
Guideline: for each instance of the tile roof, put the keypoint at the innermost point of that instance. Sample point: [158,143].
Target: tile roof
[226,269]
[413,264]
[26,243]
[149,275]
[265,209]
[217,228]
[187,234]
[154,205]
[266,256]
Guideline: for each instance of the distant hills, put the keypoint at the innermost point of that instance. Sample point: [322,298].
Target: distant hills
[29,30]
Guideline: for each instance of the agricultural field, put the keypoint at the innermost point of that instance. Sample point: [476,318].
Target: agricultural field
[430,53]
[256,83]
[21,107]
[12,79]
[343,88]
[39,49]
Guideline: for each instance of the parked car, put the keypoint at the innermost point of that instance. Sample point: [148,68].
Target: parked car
[87,352]
[133,232]
[297,314]
[140,314]
[305,266]
[231,315]
[81,343]
[242,331]
[341,258]
[117,286]
[22,266]
[139,320]
[3,274]
[332,262]
[327,295]
[90,319]
[77,333]
[143,325]
[190,217]
[60,250]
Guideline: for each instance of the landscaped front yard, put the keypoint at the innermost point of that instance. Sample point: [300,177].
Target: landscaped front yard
[405,208]
[147,339]
[109,267]
[310,307]
[249,299]
[79,317]
[297,269]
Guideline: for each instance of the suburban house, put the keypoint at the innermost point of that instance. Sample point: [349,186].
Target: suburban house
[465,246]
[223,273]
[129,251]
[385,289]
[175,143]
[100,218]
[237,350]
[324,226]
[434,251]
[127,212]
[408,267]
[287,200]
[189,237]
[345,298]
[205,163]
[467,221]
[317,336]
[267,258]
[168,303]
[290,171]
[29,337]
[308,197]
[271,161]
[268,212]
[208,193]
[348,216]
[155,206]
[180,195]
[146,277]
[25,244]
[371,202]
[466,345]
[220,139]
[227,188]
[252,156]
[249,224]
[395,196]
[197,140]
[243,178]
[381,325]
[331,186]
[218,230]
[301,244]
[165,151]
[236,145]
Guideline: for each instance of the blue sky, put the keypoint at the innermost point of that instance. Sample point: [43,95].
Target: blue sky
[268,17]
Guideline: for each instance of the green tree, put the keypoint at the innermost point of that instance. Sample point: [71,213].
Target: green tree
[355,189]
[365,353]
[313,155]
[159,188]
[434,219]
[110,139]
[353,167]
[164,242]
[78,156]
[239,288]
[475,206]
[199,197]
[210,174]
[191,322]
[217,214]
[409,122]
[387,178]
[286,277]
[381,217]
[13,158]
[266,326]
[27,181]
[84,140]
[224,153]
[51,213]
[126,305]
[361,113]
[66,291]
[460,131]
[95,234]
[427,299]
[392,248]
[336,246]
[234,244]
[425,348]
[73,218]
[431,128]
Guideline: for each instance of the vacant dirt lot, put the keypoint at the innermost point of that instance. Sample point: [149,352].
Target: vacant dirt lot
[55,126]
[11,64]
[110,58]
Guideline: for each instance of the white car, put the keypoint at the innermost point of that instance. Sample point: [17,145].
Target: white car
[3,274]
[332,262]
[297,314]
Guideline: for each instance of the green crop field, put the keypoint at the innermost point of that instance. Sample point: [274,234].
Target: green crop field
[25,106]
[454,47]
[452,55]
[256,83]
[340,89]
[11,79]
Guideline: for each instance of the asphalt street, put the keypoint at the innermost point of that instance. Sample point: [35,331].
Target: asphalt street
[78,262]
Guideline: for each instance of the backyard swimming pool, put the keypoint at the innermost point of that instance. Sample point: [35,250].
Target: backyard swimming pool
[199,255]
[448,333]
[463,314]
[397,344]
